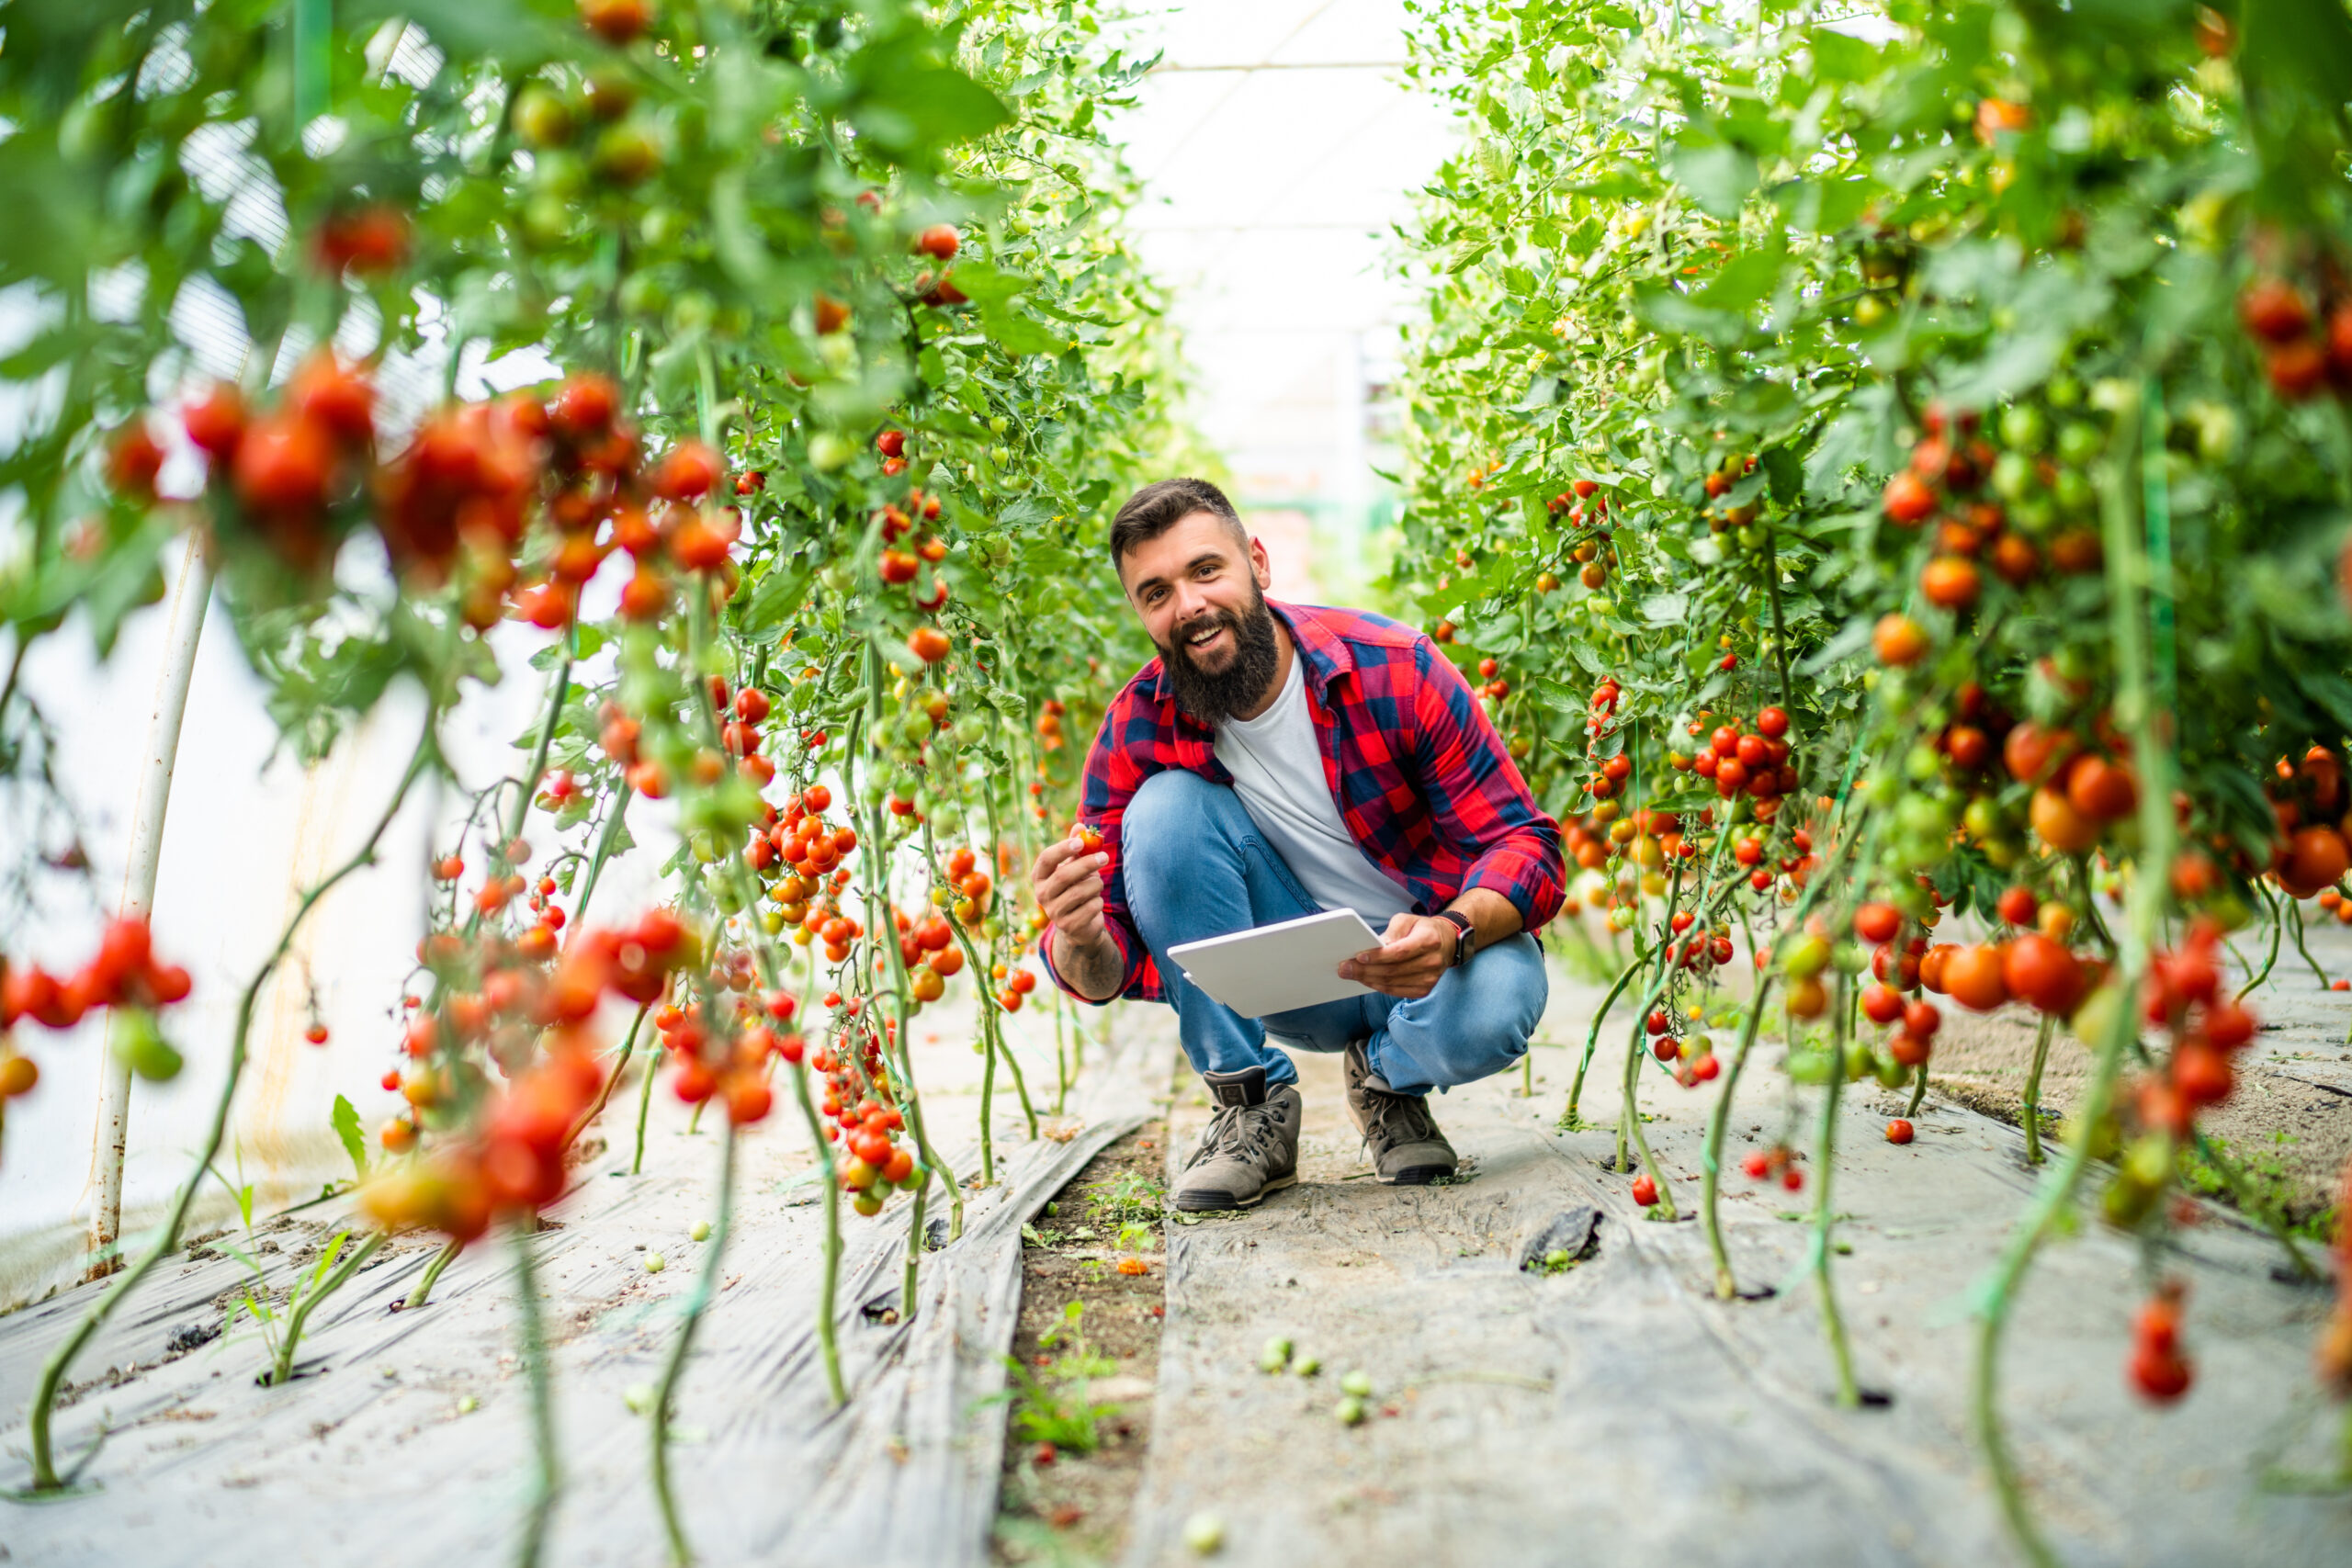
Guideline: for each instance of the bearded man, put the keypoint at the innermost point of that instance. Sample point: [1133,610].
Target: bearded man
[1273,760]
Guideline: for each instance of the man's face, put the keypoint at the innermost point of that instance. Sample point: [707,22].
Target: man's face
[1198,591]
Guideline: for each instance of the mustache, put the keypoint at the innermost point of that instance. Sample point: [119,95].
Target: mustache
[1186,631]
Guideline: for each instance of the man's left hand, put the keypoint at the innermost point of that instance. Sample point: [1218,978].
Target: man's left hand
[1414,954]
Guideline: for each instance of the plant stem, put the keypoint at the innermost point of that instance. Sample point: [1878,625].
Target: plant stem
[546,1479]
[605,1095]
[1780,628]
[603,851]
[933,1160]
[2295,913]
[441,1260]
[1569,1118]
[1711,1163]
[283,1370]
[1825,1219]
[897,1045]
[1013,1064]
[2278,929]
[771,977]
[697,1303]
[644,1105]
[168,1239]
[2033,1087]
[2134,716]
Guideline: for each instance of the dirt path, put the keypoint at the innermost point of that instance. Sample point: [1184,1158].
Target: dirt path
[1091,1304]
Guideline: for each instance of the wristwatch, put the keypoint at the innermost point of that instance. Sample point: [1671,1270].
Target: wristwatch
[1465,937]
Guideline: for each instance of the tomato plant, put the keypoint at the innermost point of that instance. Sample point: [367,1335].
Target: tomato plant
[1888,471]
[850,360]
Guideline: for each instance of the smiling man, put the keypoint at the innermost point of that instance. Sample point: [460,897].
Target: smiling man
[1273,760]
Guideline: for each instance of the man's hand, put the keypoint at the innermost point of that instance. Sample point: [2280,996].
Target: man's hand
[1068,880]
[1413,956]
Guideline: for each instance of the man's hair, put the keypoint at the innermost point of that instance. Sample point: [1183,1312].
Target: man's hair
[1158,507]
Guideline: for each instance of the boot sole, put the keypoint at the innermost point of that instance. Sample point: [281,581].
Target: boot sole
[1417,1175]
[1223,1203]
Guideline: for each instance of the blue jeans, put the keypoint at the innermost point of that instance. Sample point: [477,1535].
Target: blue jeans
[1195,867]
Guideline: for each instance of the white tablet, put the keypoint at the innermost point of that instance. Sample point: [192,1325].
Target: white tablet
[1291,964]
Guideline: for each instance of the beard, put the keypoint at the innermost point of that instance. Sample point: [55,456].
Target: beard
[1213,696]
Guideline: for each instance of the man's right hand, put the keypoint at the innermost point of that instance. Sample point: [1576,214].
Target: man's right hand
[1068,880]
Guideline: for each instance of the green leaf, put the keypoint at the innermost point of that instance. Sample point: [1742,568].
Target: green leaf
[1749,276]
[345,1122]
[1717,175]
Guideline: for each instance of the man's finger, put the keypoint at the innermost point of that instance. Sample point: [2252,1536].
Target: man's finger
[1069,900]
[1073,874]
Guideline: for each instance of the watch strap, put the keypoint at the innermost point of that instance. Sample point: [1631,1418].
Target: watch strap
[1465,936]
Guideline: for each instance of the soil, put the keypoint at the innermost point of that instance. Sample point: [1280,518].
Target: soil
[1059,1505]
[2290,1123]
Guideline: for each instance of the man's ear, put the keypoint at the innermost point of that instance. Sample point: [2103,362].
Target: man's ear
[1259,566]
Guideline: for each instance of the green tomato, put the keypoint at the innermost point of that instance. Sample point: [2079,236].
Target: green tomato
[1204,1533]
[1806,956]
[831,453]
[998,424]
[140,1046]
[2013,475]
[541,117]
[1348,1412]
[2024,426]
[662,227]
[641,294]
[2079,441]
[694,311]
[2074,492]
[547,219]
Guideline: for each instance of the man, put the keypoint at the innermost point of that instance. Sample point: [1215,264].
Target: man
[1275,760]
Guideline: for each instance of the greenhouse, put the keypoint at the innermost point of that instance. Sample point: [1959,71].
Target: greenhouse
[984,782]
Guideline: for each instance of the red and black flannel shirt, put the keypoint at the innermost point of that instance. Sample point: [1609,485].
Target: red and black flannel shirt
[1418,773]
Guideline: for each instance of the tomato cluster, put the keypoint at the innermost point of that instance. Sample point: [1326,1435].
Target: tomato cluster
[1777,1162]
[2159,1368]
[725,1043]
[123,975]
[928,949]
[2305,348]
[1755,762]
[863,1111]
[509,1161]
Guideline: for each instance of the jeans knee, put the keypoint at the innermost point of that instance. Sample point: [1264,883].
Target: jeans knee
[1167,821]
[1508,989]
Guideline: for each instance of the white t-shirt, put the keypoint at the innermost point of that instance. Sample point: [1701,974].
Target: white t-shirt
[1277,768]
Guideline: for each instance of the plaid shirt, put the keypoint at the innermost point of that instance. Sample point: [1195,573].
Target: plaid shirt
[1421,777]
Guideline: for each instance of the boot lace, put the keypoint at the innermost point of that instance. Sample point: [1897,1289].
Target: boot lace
[1249,1132]
[1394,1119]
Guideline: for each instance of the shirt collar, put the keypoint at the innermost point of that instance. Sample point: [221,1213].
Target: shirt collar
[1326,652]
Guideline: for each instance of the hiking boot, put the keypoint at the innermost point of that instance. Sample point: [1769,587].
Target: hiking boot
[1407,1148]
[1252,1144]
